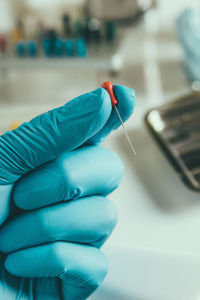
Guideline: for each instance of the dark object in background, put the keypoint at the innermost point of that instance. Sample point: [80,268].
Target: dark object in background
[111,31]
[125,12]
[58,47]
[86,30]
[176,127]
[94,30]
[48,43]
[66,25]
[79,28]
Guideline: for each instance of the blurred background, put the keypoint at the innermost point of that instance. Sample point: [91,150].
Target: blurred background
[52,51]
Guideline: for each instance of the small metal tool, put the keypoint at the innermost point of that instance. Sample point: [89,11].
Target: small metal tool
[109,87]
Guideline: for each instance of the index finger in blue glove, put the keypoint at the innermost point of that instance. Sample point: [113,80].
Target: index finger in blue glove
[63,129]
[48,135]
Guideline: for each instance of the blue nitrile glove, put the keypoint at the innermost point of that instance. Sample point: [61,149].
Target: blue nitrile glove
[57,175]
[188,28]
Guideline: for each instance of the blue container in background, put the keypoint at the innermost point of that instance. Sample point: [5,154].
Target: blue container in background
[69,47]
[81,47]
[58,47]
[21,49]
[47,46]
[32,48]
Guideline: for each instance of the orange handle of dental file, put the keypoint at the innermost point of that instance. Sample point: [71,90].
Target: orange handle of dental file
[109,88]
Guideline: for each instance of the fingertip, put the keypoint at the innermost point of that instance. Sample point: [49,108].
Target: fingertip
[19,194]
[9,265]
[126,100]
[103,104]
[48,135]
[126,104]
[98,107]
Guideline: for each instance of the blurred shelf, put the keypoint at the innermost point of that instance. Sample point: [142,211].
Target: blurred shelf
[113,63]
[105,56]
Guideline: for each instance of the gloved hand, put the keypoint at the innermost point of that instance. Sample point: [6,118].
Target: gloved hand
[188,29]
[54,216]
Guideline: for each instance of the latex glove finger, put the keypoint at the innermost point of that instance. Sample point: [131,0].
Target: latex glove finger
[82,268]
[46,289]
[91,170]
[5,203]
[50,134]
[90,220]
[12,287]
[126,104]
[60,130]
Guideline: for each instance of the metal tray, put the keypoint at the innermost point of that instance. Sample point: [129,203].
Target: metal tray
[176,127]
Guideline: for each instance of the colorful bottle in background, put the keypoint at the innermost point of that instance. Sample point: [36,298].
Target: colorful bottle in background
[69,47]
[81,47]
[46,47]
[17,33]
[66,22]
[58,47]
[3,43]
[21,49]
[32,48]
[48,43]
